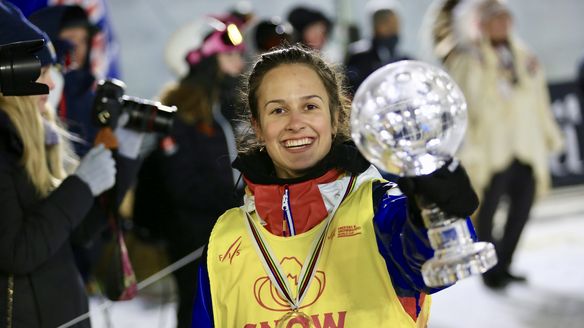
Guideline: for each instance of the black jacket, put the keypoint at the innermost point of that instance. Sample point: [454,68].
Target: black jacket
[364,57]
[35,240]
[180,195]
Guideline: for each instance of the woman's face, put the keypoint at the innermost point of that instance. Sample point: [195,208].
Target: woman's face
[497,27]
[230,63]
[45,78]
[79,38]
[294,119]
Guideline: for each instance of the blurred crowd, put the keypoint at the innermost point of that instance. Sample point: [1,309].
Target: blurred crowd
[176,181]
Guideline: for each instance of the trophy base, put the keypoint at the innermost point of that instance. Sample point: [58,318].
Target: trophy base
[455,263]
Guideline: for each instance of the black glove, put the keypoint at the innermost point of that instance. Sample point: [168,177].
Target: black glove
[449,188]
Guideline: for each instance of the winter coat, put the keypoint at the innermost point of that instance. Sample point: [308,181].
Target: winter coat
[36,235]
[183,190]
[504,122]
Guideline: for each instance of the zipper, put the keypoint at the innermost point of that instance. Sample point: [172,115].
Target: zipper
[288,228]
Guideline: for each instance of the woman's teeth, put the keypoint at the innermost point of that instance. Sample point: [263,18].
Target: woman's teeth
[298,142]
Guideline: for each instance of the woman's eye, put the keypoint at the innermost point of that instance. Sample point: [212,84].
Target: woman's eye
[311,106]
[277,110]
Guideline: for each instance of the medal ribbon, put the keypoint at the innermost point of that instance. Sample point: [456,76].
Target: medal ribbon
[272,266]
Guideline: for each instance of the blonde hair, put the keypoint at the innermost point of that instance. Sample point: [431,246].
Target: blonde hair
[61,156]
[43,165]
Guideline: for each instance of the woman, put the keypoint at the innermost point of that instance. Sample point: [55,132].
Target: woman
[188,182]
[309,191]
[43,208]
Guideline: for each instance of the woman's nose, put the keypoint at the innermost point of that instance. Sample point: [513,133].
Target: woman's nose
[296,121]
[46,78]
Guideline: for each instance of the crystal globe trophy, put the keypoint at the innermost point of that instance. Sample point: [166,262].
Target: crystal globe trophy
[409,118]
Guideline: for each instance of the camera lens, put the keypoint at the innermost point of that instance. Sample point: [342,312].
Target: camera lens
[143,115]
[20,68]
[148,116]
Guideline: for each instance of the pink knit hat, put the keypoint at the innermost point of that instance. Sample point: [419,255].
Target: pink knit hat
[225,37]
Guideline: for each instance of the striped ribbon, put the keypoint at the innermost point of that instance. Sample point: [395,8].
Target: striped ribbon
[272,266]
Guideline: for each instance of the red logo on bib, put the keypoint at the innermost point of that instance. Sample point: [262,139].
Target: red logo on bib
[232,251]
[268,296]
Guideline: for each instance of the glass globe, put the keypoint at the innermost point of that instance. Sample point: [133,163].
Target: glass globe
[408,118]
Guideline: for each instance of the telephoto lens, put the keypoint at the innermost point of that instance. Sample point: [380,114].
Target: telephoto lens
[147,115]
[144,115]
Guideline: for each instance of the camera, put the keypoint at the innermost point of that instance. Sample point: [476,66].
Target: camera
[20,68]
[143,115]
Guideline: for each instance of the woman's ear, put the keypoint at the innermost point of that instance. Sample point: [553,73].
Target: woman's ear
[335,123]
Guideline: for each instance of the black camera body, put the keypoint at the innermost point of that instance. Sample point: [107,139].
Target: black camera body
[20,68]
[143,115]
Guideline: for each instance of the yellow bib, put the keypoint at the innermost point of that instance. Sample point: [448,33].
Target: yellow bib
[351,287]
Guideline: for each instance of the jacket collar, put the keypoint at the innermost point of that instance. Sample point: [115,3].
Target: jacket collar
[311,197]
[258,167]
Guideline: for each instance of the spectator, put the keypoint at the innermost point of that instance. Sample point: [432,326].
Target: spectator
[72,31]
[311,27]
[188,182]
[511,130]
[105,50]
[366,56]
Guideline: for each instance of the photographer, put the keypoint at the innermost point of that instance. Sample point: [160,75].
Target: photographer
[186,184]
[45,209]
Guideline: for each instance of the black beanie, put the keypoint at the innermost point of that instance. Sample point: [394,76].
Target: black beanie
[271,33]
[302,17]
[15,27]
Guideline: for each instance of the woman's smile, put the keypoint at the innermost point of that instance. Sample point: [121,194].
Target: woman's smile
[295,144]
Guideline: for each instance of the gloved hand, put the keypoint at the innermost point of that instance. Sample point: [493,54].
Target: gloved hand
[129,141]
[449,188]
[97,169]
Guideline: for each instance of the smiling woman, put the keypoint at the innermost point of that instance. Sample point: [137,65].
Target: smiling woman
[294,120]
[321,239]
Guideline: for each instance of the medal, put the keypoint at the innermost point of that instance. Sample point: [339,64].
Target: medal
[279,278]
[295,317]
